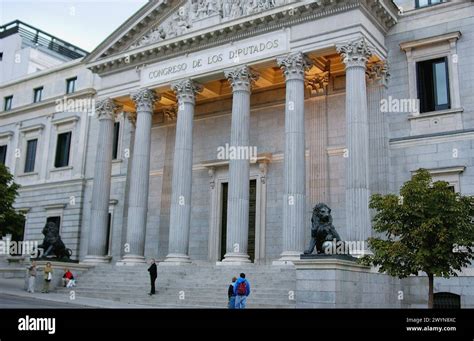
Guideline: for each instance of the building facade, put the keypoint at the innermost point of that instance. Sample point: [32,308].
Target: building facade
[218,125]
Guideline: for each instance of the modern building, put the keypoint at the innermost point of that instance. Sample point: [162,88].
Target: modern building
[218,125]
[43,131]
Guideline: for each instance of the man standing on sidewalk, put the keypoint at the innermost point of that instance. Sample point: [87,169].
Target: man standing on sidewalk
[31,277]
[153,274]
[241,291]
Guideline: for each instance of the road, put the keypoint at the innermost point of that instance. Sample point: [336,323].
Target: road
[17,302]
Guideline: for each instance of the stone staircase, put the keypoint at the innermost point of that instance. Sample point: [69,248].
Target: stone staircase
[192,286]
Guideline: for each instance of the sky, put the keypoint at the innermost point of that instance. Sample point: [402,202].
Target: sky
[84,23]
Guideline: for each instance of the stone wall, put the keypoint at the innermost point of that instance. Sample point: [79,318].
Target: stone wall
[342,284]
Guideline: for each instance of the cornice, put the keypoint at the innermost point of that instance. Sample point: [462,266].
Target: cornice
[408,45]
[263,22]
[48,102]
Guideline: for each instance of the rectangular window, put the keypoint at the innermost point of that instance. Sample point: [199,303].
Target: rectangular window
[71,85]
[3,154]
[116,140]
[425,3]
[56,220]
[7,105]
[30,155]
[62,150]
[37,94]
[433,85]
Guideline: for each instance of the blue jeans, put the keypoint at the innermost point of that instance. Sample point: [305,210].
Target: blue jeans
[231,304]
[240,301]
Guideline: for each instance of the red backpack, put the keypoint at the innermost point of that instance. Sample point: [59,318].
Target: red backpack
[242,288]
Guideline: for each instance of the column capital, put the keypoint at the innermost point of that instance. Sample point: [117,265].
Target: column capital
[241,77]
[378,71]
[186,90]
[144,99]
[294,65]
[355,53]
[107,109]
[318,83]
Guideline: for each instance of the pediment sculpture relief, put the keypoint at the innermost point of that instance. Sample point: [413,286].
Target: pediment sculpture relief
[196,14]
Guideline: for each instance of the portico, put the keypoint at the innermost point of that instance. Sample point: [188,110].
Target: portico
[169,209]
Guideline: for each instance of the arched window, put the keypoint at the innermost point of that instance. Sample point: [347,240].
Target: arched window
[446,300]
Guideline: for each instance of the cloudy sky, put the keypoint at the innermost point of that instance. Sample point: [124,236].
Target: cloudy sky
[85,23]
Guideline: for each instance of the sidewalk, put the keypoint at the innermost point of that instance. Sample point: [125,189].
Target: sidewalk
[14,287]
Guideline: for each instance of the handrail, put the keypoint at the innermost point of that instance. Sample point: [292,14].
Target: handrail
[41,38]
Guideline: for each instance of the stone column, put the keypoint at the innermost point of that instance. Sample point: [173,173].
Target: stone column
[98,238]
[180,217]
[355,55]
[294,195]
[139,178]
[241,79]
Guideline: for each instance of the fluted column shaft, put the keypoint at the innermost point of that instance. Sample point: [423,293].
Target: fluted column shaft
[139,177]
[239,169]
[180,216]
[294,195]
[98,238]
[355,55]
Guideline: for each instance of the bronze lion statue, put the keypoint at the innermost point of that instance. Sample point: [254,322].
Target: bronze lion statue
[322,229]
[52,243]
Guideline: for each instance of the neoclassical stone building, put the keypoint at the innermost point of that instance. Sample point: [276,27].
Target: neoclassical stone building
[338,99]
[193,77]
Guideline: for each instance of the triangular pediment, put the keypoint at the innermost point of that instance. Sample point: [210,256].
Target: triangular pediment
[161,20]
[164,28]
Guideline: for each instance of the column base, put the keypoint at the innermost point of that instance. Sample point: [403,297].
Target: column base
[287,258]
[174,259]
[235,258]
[97,259]
[131,260]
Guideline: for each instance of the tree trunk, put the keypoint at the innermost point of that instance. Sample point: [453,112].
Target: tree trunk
[430,291]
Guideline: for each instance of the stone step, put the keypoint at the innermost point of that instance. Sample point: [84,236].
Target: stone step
[190,301]
[203,286]
[187,282]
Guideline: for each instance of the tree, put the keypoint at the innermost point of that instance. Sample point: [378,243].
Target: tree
[11,221]
[428,228]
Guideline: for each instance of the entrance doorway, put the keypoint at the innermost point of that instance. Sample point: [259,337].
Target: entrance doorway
[252,215]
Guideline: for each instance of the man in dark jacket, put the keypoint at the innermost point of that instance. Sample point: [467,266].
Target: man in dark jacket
[153,274]
[231,295]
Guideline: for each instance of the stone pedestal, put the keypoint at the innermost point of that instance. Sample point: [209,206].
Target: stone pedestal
[329,282]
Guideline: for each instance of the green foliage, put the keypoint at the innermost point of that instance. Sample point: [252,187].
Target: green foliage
[427,229]
[10,220]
